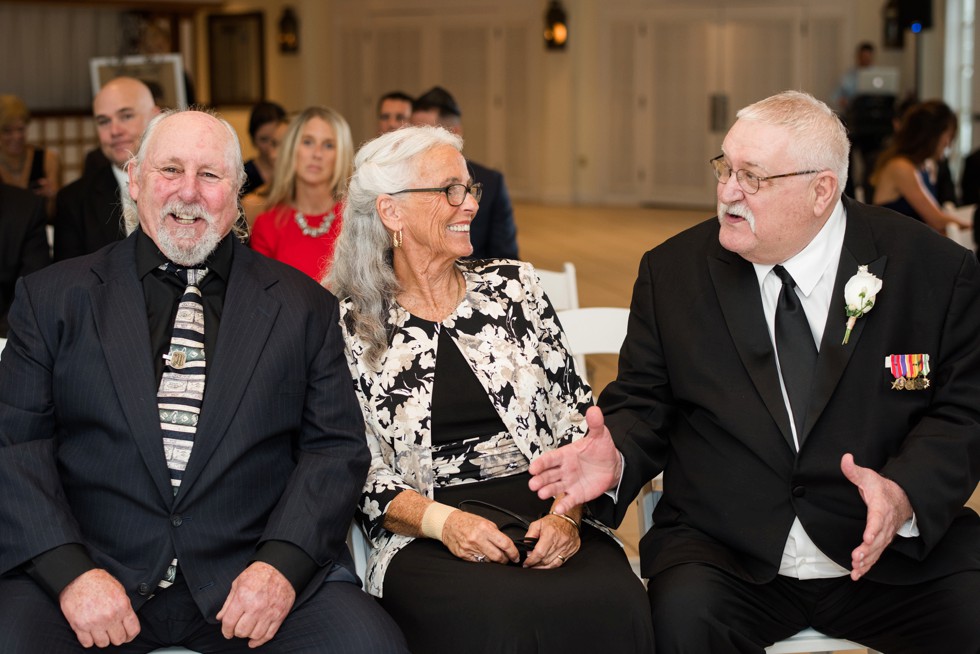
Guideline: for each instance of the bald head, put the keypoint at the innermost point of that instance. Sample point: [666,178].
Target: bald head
[122,109]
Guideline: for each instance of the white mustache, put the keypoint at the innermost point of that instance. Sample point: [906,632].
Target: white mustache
[739,209]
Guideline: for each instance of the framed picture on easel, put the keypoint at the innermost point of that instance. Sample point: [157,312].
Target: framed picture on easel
[163,73]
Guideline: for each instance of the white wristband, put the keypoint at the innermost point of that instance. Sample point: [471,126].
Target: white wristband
[434,519]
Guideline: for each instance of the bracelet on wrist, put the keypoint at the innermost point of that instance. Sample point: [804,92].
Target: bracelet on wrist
[565,517]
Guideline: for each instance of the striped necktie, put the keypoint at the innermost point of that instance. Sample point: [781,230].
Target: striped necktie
[181,390]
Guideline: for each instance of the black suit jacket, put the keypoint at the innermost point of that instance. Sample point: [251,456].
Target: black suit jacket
[88,215]
[23,242]
[492,232]
[698,396]
[279,453]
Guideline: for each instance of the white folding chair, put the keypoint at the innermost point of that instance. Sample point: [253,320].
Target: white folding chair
[561,286]
[594,330]
[359,549]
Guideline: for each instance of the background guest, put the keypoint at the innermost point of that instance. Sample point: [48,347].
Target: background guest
[304,210]
[88,212]
[255,202]
[493,232]
[394,111]
[904,175]
[23,244]
[262,125]
[21,164]
[464,377]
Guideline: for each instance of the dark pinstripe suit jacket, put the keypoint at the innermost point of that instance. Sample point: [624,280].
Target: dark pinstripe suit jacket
[279,452]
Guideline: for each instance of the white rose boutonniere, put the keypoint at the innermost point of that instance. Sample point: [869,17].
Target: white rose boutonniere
[859,297]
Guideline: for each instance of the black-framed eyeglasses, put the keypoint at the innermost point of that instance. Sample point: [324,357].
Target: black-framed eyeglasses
[749,181]
[455,193]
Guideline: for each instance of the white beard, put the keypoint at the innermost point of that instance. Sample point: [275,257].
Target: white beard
[183,251]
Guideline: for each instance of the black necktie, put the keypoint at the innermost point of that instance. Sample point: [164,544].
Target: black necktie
[794,347]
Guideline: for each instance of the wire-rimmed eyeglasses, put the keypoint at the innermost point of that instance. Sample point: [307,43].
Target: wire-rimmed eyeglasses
[749,181]
[455,193]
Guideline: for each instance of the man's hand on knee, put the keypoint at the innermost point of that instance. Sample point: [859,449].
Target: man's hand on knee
[260,599]
[98,610]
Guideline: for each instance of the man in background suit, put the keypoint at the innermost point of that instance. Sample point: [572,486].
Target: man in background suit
[492,232]
[88,211]
[832,499]
[394,111]
[104,538]
[23,242]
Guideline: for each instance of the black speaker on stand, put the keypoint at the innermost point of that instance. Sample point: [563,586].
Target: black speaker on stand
[915,15]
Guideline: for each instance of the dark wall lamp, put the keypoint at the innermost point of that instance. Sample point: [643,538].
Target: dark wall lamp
[288,31]
[555,26]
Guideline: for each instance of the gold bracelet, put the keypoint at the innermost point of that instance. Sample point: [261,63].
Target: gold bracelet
[565,517]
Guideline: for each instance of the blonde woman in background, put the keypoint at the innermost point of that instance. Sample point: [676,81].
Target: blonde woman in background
[21,164]
[302,219]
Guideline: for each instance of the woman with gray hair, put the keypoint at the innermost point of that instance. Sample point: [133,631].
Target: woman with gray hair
[464,377]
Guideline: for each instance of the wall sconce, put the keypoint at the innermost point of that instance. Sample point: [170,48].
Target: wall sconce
[288,31]
[555,26]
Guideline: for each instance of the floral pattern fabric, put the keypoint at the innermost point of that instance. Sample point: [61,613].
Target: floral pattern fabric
[508,332]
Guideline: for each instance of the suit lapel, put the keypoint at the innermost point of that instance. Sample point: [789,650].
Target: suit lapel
[246,321]
[119,311]
[737,287]
[859,250]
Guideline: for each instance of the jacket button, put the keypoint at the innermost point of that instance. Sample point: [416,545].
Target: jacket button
[176,520]
[799,491]
[143,589]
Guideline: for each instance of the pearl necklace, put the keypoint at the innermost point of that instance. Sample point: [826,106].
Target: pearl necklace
[314,232]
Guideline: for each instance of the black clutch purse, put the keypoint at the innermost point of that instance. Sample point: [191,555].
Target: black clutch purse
[515,526]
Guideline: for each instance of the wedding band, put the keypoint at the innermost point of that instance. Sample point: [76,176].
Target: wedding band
[562,558]
[480,558]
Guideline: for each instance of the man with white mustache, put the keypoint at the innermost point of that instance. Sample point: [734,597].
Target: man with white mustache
[106,541]
[813,478]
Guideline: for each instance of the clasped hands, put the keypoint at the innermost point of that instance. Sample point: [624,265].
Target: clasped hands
[590,466]
[100,613]
[474,538]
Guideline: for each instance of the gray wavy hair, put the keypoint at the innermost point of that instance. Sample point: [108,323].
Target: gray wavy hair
[362,268]
[131,219]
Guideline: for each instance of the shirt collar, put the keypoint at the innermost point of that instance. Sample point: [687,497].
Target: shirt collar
[122,179]
[810,264]
[149,257]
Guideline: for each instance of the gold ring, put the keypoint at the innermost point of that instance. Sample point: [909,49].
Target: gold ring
[562,558]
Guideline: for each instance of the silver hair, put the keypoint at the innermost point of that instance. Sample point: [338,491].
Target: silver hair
[362,268]
[819,138]
[131,219]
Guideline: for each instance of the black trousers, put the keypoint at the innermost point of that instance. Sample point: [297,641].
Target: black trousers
[698,608]
[338,618]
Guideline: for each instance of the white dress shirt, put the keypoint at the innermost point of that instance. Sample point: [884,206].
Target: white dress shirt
[814,270]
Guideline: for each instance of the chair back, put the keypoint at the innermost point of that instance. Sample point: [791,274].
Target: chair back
[594,330]
[560,286]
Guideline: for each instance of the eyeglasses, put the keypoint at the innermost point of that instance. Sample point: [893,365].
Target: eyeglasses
[455,193]
[747,180]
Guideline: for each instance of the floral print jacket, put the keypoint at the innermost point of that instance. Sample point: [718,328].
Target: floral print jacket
[508,332]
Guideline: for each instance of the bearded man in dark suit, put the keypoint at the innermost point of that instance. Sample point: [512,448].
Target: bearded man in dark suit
[811,480]
[123,523]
